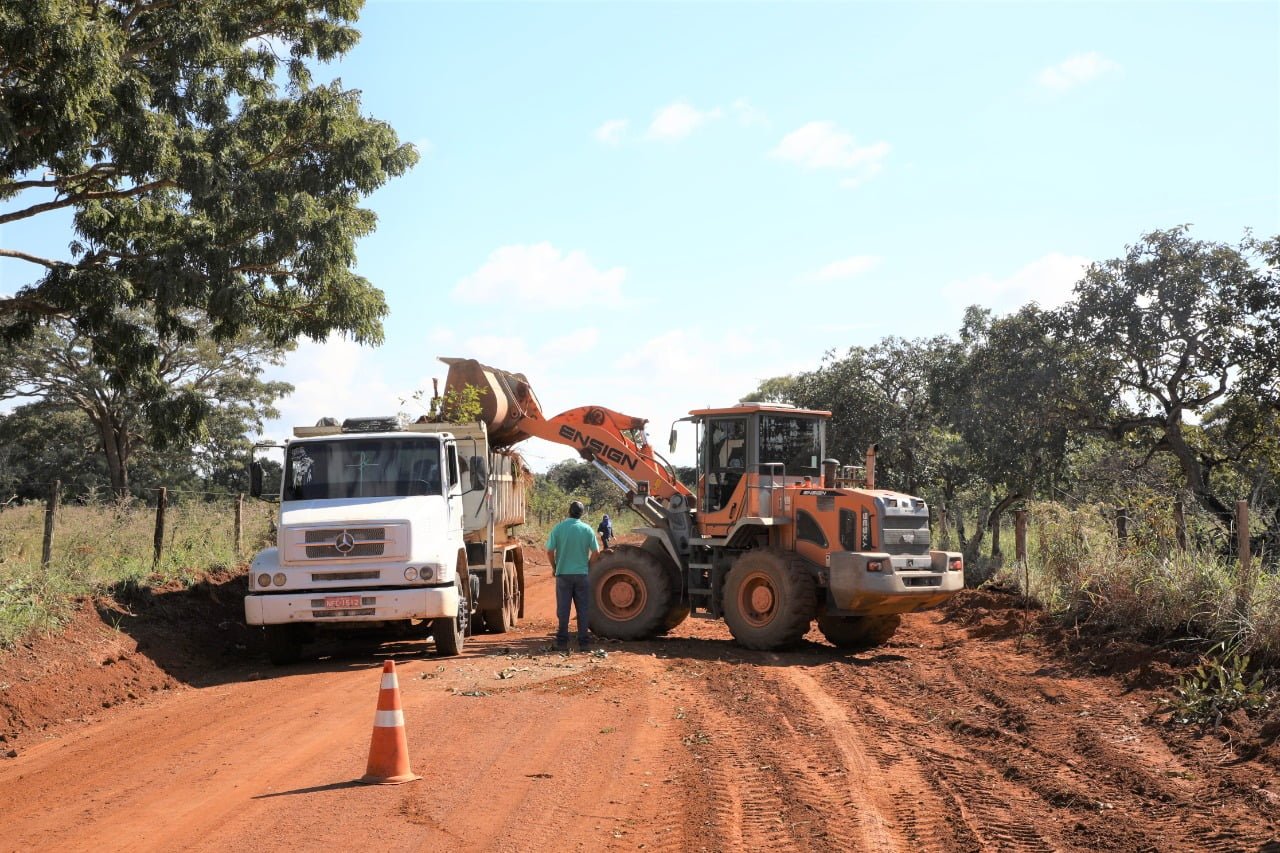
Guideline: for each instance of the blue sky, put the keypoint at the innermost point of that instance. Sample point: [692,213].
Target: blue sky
[652,207]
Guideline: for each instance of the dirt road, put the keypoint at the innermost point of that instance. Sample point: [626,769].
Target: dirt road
[963,733]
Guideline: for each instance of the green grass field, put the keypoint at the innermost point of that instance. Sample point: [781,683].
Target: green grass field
[98,547]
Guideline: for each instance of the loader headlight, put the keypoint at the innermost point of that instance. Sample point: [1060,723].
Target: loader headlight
[956,565]
[873,565]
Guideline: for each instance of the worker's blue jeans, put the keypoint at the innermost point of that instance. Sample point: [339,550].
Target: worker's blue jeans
[572,588]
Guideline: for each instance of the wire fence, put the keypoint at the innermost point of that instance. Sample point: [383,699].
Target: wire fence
[169,532]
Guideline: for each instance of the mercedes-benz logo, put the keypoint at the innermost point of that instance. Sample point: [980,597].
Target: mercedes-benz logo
[344,543]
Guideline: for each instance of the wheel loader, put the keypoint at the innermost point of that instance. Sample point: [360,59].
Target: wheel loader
[775,536]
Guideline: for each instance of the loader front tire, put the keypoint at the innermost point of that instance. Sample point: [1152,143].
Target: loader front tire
[857,632]
[769,600]
[630,594]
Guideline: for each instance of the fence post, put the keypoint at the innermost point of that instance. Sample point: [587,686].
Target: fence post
[161,501]
[1122,525]
[50,510]
[1180,525]
[239,523]
[1020,535]
[1242,545]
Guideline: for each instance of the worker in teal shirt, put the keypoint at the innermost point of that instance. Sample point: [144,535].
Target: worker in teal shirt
[571,548]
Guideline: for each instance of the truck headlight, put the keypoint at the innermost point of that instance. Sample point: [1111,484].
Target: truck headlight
[411,574]
[264,580]
[279,579]
[427,572]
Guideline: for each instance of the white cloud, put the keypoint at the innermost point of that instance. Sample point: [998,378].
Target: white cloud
[846,268]
[1047,281]
[679,119]
[424,145]
[823,145]
[540,276]
[1075,70]
[610,133]
[747,114]
[334,378]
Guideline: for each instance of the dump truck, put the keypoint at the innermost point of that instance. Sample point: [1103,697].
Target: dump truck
[774,537]
[390,526]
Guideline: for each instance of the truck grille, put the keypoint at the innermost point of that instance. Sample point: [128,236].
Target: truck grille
[316,577]
[345,543]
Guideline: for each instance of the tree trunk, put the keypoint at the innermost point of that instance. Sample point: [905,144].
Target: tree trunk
[115,444]
[1196,475]
[997,554]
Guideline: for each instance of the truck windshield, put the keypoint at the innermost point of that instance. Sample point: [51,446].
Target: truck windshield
[793,441]
[362,468]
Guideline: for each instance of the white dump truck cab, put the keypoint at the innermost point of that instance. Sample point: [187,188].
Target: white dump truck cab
[373,533]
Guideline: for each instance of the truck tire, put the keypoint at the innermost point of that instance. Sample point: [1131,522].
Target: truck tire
[679,610]
[451,634]
[769,600]
[857,632]
[630,594]
[500,619]
[284,645]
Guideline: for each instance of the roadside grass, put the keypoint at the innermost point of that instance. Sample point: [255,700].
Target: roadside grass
[1078,570]
[101,546]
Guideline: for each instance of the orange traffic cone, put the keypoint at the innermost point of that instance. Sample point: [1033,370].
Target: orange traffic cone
[389,749]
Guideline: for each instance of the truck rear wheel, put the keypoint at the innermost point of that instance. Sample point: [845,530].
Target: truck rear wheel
[450,634]
[769,600]
[857,632]
[630,594]
[499,620]
[284,645]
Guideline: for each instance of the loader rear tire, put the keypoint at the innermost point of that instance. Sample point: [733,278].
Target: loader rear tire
[630,594]
[769,600]
[857,632]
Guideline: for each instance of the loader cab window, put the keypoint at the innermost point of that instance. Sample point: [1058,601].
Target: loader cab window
[794,441]
[724,460]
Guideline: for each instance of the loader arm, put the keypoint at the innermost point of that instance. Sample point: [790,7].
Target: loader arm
[512,413]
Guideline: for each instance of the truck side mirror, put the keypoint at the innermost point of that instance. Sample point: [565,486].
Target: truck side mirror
[255,479]
[479,472]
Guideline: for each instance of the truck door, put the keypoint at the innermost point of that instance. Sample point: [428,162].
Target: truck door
[453,485]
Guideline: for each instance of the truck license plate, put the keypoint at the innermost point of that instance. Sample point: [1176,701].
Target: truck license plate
[342,601]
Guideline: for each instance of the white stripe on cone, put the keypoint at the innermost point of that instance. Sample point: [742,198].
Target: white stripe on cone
[390,682]
[389,720]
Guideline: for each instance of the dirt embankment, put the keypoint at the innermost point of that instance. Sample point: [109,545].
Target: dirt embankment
[978,727]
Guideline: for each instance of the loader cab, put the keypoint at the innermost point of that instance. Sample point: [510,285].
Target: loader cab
[747,451]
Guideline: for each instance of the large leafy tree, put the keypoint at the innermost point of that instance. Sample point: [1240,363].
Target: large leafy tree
[56,364]
[1176,331]
[213,187]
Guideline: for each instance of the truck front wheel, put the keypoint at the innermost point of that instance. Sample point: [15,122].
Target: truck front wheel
[630,594]
[451,633]
[284,645]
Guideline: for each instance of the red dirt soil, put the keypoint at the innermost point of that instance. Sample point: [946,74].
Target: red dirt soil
[157,724]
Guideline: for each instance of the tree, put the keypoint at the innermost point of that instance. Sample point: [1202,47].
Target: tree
[45,441]
[1001,389]
[56,364]
[1172,332]
[214,189]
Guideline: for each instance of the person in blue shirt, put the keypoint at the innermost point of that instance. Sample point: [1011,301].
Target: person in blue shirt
[571,548]
[605,530]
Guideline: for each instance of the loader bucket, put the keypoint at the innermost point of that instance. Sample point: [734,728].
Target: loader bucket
[505,397]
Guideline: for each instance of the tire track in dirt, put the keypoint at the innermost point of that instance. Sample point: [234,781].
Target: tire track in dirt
[779,772]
